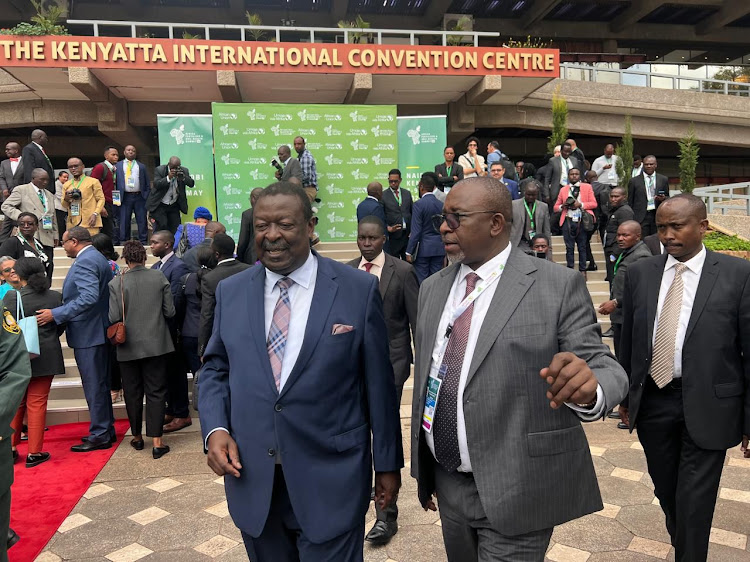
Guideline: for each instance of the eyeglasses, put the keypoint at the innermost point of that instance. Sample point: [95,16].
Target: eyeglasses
[7,270]
[394,181]
[454,219]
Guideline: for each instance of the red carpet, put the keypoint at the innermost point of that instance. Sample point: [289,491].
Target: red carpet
[45,495]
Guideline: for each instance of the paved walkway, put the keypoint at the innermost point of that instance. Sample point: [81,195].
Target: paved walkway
[174,510]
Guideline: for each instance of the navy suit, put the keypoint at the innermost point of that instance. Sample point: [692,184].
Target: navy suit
[177,386]
[85,311]
[373,207]
[133,201]
[512,187]
[431,254]
[340,390]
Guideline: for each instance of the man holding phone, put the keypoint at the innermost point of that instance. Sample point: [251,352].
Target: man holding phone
[168,197]
[397,203]
[645,193]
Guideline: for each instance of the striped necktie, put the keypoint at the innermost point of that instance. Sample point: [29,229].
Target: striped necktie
[279,328]
[662,364]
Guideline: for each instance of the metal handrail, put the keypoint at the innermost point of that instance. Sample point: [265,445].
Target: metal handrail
[726,87]
[278,30]
[716,196]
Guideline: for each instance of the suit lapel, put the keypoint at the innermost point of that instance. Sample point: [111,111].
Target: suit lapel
[511,288]
[256,315]
[325,293]
[705,285]
[653,287]
[385,276]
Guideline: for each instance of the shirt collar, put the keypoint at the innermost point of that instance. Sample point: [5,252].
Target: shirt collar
[165,259]
[694,264]
[83,250]
[39,145]
[226,261]
[379,260]
[485,270]
[371,197]
[426,193]
[301,276]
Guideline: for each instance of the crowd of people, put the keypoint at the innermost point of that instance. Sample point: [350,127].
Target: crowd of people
[301,361]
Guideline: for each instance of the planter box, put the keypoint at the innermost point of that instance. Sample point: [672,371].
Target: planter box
[743,254]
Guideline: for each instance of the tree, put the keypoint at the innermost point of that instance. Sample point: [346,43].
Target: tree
[688,159]
[624,151]
[559,121]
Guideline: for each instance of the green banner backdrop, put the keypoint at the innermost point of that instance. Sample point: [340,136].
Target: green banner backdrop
[190,138]
[421,141]
[352,146]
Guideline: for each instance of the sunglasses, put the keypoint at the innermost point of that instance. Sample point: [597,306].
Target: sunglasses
[453,220]
[7,270]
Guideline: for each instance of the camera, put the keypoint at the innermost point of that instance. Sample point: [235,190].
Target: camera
[179,172]
[570,201]
[75,194]
[276,164]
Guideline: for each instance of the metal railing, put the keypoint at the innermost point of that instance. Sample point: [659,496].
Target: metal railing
[646,78]
[725,197]
[313,34]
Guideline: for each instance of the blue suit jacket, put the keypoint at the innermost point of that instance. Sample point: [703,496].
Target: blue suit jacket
[512,187]
[85,307]
[370,207]
[174,270]
[340,390]
[422,231]
[142,178]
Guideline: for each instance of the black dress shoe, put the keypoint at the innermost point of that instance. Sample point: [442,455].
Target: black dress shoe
[614,415]
[592,267]
[382,532]
[159,452]
[89,446]
[622,425]
[36,459]
[15,455]
[112,439]
[13,537]
[609,333]
[137,444]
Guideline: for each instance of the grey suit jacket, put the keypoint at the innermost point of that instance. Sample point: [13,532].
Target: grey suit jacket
[399,290]
[148,304]
[292,169]
[541,222]
[630,256]
[532,464]
[9,180]
[24,199]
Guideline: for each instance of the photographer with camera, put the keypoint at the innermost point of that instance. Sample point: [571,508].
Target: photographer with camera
[289,167]
[83,198]
[576,203]
[168,197]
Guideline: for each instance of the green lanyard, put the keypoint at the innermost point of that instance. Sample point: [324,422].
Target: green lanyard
[448,169]
[530,213]
[397,195]
[617,263]
[37,245]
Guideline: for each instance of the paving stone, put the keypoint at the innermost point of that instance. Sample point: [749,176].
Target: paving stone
[610,511]
[732,516]
[237,554]
[376,553]
[119,503]
[48,557]
[629,458]
[164,485]
[229,529]
[411,513]
[176,556]
[562,553]
[734,495]
[649,547]
[645,521]
[216,546]
[148,516]
[97,490]
[169,465]
[219,510]
[597,451]
[421,543]
[735,478]
[130,553]
[721,553]
[602,467]
[191,497]
[739,462]
[620,556]
[627,474]
[593,533]
[96,539]
[72,522]
[624,492]
[184,530]
[728,538]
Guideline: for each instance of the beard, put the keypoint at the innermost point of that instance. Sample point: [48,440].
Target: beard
[455,258]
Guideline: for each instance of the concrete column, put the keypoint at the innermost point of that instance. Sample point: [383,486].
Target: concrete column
[226,80]
[360,89]
[483,90]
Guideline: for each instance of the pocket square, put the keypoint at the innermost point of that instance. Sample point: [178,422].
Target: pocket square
[341,329]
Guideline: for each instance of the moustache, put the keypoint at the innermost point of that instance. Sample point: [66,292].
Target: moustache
[275,246]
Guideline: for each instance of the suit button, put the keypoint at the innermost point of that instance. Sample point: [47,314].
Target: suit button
[278,407]
[271,452]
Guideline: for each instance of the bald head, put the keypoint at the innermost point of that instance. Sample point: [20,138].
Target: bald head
[39,137]
[375,189]
[628,234]
[174,162]
[687,204]
[631,226]
[254,194]
[214,227]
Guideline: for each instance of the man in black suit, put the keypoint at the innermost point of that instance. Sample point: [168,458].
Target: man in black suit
[399,290]
[168,198]
[397,203]
[34,156]
[654,244]
[646,192]
[223,247]
[685,346]
[449,172]
[246,251]
[11,175]
[177,412]
[619,212]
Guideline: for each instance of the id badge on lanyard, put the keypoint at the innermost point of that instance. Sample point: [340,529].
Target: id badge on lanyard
[75,209]
[116,201]
[47,222]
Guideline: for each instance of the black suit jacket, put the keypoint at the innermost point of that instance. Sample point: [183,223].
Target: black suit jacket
[394,214]
[246,252]
[444,180]
[208,297]
[32,157]
[9,180]
[715,354]
[654,244]
[399,290]
[637,194]
[161,185]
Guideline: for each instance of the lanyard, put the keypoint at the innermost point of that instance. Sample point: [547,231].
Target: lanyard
[42,199]
[530,213]
[37,245]
[73,182]
[448,170]
[565,164]
[617,263]
[397,195]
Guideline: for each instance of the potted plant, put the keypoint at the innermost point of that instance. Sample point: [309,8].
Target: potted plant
[360,24]
[46,21]
[255,19]
[464,23]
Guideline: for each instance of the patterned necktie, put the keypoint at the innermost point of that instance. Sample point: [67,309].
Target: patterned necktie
[650,186]
[662,363]
[157,266]
[445,430]
[279,328]
[368,266]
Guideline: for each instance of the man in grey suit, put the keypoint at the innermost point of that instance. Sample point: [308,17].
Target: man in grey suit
[291,168]
[509,361]
[530,217]
[399,290]
[11,175]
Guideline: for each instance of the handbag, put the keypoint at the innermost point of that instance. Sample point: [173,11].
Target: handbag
[29,329]
[116,332]
[588,222]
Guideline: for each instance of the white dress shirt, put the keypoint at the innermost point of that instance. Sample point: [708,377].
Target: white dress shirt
[481,306]
[134,174]
[42,195]
[14,166]
[636,171]
[608,176]
[300,299]
[377,265]
[690,278]
[165,259]
[652,181]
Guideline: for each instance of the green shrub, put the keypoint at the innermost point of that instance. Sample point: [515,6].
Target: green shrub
[716,241]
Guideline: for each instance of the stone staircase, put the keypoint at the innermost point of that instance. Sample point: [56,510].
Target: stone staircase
[67,403]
